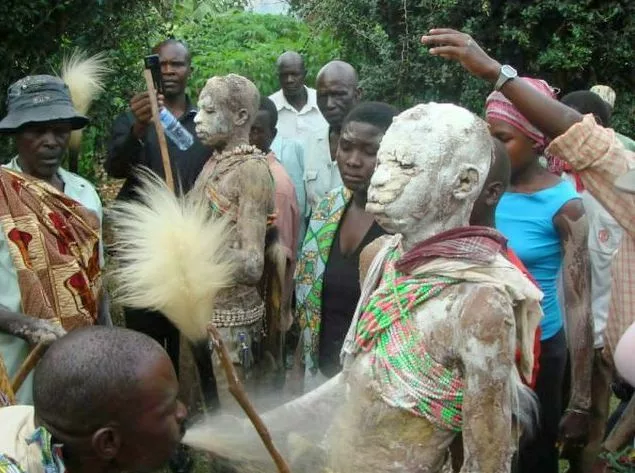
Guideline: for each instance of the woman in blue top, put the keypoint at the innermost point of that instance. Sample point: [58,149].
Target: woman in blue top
[543,218]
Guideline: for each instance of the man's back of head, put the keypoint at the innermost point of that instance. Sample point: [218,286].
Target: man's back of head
[585,101]
[94,369]
[114,386]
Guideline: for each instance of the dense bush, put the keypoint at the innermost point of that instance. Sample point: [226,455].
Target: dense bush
[249,44]
[573,44]
[37,34]
[222,40]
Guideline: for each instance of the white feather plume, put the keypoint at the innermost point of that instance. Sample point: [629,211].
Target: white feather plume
[170,255]
[85,78]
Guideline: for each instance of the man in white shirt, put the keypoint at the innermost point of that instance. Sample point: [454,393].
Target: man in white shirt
[338,92]
[299,117]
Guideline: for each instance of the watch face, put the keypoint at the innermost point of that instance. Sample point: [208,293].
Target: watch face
[508,71]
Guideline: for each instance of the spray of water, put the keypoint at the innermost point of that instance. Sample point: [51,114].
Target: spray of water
[298,429]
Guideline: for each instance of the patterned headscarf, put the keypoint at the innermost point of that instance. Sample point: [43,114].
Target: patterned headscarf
[497,106]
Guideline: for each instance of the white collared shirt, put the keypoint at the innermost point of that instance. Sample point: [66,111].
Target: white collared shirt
[303,125]
[321,173]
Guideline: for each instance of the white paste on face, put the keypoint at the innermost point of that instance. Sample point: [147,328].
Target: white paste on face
[213,120]
[419,164]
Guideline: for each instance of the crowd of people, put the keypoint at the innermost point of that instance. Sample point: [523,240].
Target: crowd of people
[292,171]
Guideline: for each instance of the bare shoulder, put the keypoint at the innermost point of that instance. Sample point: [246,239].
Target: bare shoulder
[487,312]
[571,221]
[569,213]
[368,254]
[254,180]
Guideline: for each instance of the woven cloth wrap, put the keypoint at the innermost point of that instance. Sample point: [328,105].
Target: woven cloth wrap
[406,374]
[411,378]
[498,107]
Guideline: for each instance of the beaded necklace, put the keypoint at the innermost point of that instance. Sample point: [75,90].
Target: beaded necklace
[409,378]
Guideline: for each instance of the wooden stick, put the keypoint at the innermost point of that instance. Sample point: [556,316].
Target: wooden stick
[163,145]
[27,366]
[238,391]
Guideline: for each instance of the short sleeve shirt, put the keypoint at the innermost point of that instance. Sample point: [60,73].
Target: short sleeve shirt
[526,220]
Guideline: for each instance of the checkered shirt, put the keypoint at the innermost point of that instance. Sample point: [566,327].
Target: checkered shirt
[599,158]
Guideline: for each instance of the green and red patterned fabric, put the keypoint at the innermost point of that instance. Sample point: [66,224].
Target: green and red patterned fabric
[309,274]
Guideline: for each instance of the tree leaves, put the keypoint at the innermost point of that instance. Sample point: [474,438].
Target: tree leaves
[571,43]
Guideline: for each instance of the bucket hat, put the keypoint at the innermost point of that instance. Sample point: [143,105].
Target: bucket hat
[39,99]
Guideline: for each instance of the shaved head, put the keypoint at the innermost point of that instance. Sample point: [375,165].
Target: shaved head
[110,396]
[292,74]
[290,58]
[96,371]
[337,92]
[340,70]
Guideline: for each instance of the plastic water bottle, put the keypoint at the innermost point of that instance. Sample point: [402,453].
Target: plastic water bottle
[182,138]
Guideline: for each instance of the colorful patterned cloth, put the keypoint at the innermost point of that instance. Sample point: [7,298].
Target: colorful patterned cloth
[408,376]
[478,244]
[9,466]
[404,374]
[25,448]
[309,276]
[213,171]
[7,397]
[54,244]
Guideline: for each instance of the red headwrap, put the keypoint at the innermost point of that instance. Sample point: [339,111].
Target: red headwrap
[497,106]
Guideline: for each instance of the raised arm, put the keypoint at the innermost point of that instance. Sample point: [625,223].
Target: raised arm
[550,116]
[572,225]
[125,147]
[486,350]
[592,151]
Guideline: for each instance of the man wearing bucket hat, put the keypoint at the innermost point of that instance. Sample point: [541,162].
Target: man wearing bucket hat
[50,227]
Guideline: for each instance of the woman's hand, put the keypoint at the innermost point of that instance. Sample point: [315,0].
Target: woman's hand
[460,47]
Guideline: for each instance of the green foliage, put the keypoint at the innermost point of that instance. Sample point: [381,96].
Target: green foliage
[223,38]
[571,43]
[37,34]
[249,44]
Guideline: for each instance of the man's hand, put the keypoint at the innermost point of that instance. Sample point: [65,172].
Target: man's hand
[142,110]
[460,47]
[41,331]
[574,431]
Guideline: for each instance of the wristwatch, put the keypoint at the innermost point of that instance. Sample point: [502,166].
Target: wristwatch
[506,73]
